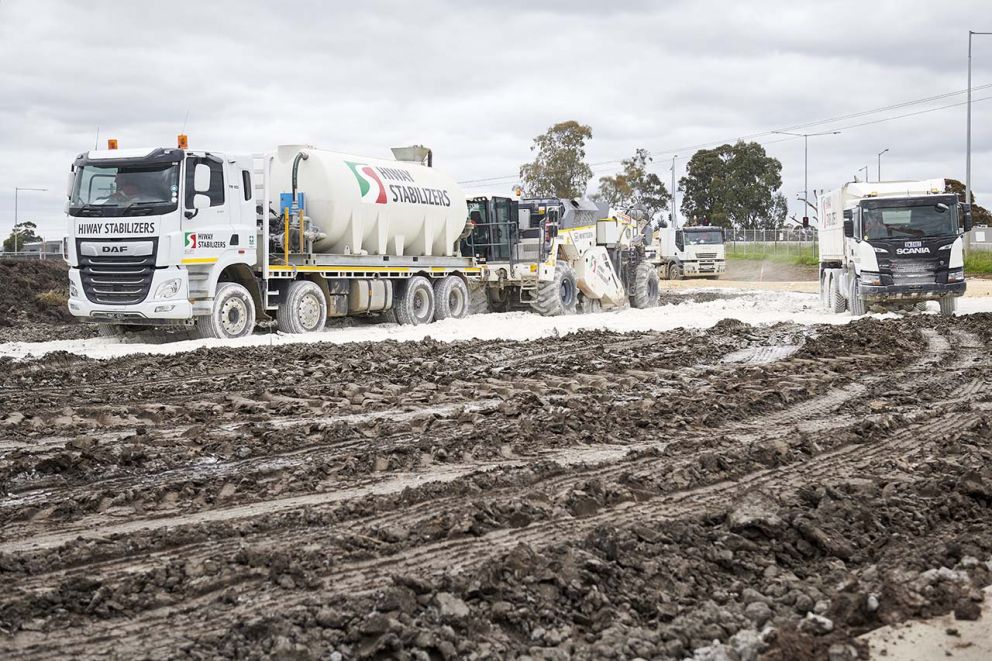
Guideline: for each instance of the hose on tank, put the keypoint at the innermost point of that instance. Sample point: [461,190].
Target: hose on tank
[302,156]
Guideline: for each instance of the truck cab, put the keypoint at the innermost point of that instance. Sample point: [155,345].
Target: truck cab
[892,245]
[688,252]
[151,231]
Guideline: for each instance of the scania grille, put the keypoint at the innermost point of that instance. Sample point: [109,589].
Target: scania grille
[117,280]
[912,271]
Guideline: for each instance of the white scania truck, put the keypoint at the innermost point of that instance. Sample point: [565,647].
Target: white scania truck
[893,244]
[688,252]
[214,241]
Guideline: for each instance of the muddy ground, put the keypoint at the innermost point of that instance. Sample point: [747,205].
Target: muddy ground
[729,494]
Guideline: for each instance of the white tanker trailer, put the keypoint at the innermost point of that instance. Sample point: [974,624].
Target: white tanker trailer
[215,241]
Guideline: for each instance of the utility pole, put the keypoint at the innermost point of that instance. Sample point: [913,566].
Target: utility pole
[18,189]
[967,168]
[880,162]
[806,137]
[675,218]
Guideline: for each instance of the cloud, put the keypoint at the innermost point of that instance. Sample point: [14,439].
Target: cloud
[477,81]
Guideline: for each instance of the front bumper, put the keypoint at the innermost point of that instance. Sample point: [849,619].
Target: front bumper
[930,291]
[151,311]
[703,268]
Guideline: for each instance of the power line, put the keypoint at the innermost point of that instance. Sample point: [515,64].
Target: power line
[475,183]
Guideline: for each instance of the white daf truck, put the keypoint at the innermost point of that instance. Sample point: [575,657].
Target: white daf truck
[688,252]
[215,241]
[893,244]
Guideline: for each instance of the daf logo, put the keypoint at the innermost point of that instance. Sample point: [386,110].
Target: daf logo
[114,249]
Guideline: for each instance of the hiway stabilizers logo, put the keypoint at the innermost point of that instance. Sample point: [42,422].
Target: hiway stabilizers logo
[374,191]
[373,194]
[190,243]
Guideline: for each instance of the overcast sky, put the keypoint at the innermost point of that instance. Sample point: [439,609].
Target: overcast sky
[477,81]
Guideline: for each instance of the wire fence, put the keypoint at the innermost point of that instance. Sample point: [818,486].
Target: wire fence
[26,256]
[795,242]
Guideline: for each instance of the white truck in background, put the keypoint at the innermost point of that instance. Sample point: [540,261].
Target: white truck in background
[893,244]
[688,252]
[214,241]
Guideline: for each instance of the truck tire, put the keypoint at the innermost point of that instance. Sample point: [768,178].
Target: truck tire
[855,303]
[304,310]
[825,291]
[675,272]
[451,298]
[646,287]
[558,296]
[478,299]
[233,314]
[415,303]
[948,304]
[836,301]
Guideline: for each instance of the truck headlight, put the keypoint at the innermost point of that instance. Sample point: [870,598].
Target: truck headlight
[73,292]
[870,278]
[955,275]
[168,289]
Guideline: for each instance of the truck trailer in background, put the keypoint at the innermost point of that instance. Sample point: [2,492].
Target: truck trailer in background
[894,244]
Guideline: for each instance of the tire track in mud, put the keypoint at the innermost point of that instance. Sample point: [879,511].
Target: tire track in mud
[463,555]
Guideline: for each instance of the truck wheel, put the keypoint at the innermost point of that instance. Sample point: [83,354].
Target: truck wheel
[836,301]
[233,314]
[451,299]
[675,272]
[646,287]
[558,296]
[415,303]
[825,291]
[948,304]
[304,310]
[854,302]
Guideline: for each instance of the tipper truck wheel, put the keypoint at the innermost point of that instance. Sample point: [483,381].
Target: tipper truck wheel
[675,272]
[558,296]
[855,303]
[948,304]
[646,287]
[836,301]
[304,310]
[415,303]
[451,298]
[233,314]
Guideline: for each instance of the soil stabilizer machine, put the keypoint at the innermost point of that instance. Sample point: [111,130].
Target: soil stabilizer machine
[559,256]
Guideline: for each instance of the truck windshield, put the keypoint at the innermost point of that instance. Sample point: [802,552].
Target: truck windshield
[918,220]
[703,237]
[124,190]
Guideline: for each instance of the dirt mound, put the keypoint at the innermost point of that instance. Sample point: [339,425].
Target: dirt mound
[33,297]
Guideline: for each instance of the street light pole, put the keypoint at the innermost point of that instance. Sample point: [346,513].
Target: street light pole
[880,162]
[806,137]
[865,168]
[18,189]
[675,222]
[967,169]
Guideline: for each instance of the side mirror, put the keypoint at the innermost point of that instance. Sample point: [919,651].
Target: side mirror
[967,219]
[201,201]
[71,184]
[201,179]
[848,227]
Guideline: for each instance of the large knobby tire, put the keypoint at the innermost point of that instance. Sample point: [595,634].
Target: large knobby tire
[855,303]
[233,314]
[558,296]
[836,301]
[478,299]
[948,304]
[646,287]
[451,298]
[304,310]
[415,303]
[589,305]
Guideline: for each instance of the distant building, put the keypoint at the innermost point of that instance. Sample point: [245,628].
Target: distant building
[37,247]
